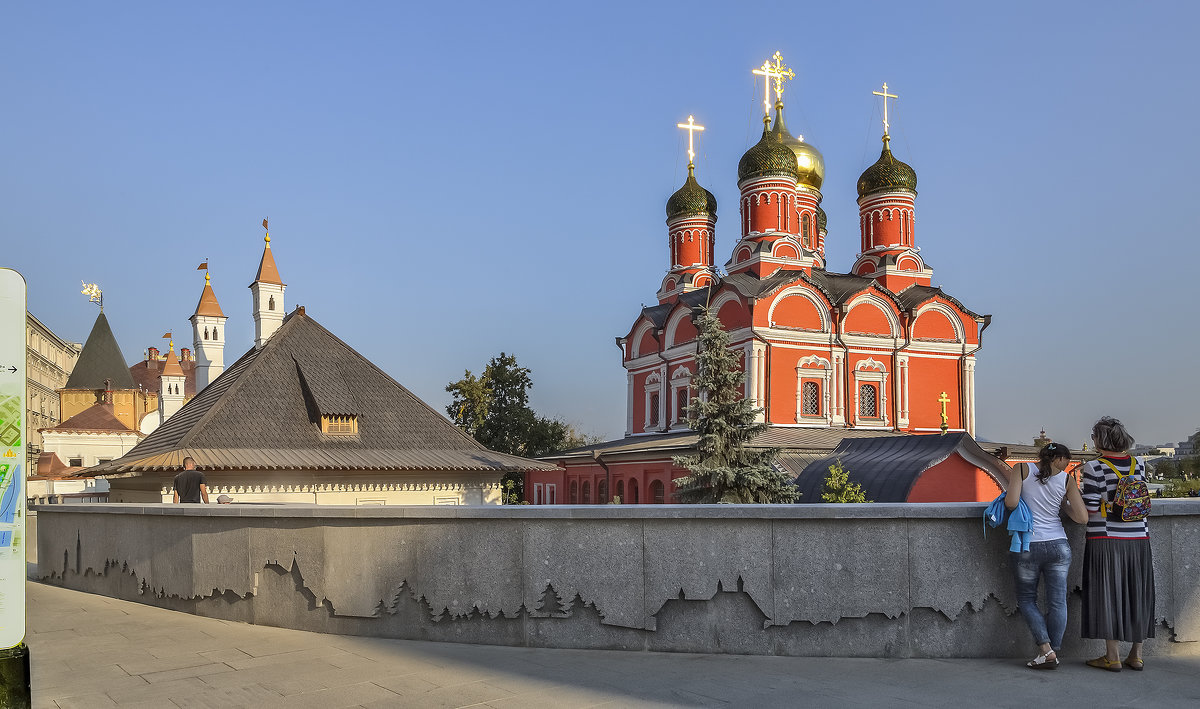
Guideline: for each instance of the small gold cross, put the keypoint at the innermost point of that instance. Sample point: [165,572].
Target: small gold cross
[691,127]
[886,96]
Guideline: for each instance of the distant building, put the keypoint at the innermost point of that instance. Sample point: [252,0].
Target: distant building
[303,417]
[49,360]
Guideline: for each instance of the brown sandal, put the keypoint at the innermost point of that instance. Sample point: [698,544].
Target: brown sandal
[1104,663]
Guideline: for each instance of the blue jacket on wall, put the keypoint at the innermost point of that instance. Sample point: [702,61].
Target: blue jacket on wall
[1020,522]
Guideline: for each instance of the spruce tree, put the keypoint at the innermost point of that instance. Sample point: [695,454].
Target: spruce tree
[724,470]
[838,487]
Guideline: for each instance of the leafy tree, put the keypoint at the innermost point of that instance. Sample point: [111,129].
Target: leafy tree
[724,470]
[838,487]
[494,409]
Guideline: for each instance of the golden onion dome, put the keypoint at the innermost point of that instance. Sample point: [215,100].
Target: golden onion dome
[887,174]
[691,199]
[810,164]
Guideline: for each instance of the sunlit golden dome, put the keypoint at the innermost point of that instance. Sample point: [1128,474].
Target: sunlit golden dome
[810,164]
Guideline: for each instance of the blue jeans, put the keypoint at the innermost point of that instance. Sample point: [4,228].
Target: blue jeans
[1050,560]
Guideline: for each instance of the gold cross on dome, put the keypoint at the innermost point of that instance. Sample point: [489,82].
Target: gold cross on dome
[691,127]
[886,96]
[779,73]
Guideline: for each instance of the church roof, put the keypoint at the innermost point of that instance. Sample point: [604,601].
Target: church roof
[791,440]
[887,468]
[208,304]
[264,413]
[267,272]
[97,417]
[911,297]
[100,359]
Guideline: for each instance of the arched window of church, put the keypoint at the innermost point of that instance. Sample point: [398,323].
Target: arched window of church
[804,229]
[811,396]
[587,492]
[652,417]
[574,495]
[602,492]
[621,489]
[868,401]
[657,491]
[206,333]
[271,303]
[214,333]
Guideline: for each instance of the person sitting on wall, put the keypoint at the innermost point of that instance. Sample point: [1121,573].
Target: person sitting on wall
[189,484]
[1047,490]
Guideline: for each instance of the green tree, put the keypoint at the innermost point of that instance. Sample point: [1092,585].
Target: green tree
[724,470]
[838,487]
[494,409]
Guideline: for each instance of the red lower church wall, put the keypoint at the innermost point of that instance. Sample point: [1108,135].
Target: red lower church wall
[954,480]
[637,483]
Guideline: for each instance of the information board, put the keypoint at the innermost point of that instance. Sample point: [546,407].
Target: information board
[12,458]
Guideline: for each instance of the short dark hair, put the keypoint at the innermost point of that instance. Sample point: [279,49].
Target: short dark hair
[1110,435]
[186,459]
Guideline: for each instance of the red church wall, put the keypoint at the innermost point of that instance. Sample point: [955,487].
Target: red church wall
[734,315]
[927,379]
[867,318]
[934,325]
[647,345]
[639,482]
[685,331]
[794,311]
[954,480]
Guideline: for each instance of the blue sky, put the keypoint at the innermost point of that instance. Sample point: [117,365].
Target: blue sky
[448,182]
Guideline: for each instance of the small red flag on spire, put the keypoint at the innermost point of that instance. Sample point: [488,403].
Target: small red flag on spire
[203,266]
[264,224]
[167,336]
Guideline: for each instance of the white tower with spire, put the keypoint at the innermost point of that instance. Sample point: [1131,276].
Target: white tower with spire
[208,337]
[170,386]
[267,289]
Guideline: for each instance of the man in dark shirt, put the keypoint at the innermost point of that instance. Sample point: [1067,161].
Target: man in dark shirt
[189,485]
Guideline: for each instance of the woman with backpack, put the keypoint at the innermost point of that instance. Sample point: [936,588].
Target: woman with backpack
[1046,489]
[1118,572]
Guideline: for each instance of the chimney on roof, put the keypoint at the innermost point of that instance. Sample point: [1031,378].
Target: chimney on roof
[185,354]
[108,397]
[300,308]
[152,358]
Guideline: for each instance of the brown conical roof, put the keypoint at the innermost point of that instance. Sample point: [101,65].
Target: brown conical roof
[172,368]
[208,304]
[267,272]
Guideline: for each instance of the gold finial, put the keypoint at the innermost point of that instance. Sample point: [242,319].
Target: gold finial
[943,399]
[268,231]
[95,295]
[886,96]
[691,127]
[206,277]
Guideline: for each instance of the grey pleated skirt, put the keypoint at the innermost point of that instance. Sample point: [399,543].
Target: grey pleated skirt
[1118,590]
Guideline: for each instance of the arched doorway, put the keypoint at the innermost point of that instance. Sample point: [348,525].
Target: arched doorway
[602,492]
[574,495]
[587,493]
[621,490]
[656,492]
[633,491]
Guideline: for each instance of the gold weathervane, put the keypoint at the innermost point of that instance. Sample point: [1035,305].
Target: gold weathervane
[95,295]
[691,127]
[886,96]
[777,72]
[267,230]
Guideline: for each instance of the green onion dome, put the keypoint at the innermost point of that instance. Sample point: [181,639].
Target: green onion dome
[887,174]
[769,156]
[691,199]
[821,220]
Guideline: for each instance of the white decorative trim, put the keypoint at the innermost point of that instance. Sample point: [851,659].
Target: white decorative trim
[824,372]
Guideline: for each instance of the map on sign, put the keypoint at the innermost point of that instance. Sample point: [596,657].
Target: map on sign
[10,467]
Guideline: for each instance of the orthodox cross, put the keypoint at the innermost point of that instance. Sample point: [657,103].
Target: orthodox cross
[886,96]
[691,128]
[943,400]
[95,295]
[779,73]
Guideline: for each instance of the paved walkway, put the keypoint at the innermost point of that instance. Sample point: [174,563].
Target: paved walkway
[93,652]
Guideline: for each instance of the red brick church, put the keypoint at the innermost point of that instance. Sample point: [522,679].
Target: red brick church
[876,351]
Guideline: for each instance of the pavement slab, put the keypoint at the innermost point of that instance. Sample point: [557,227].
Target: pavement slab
[94,652]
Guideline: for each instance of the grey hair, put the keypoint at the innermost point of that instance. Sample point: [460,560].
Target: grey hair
[1111,435]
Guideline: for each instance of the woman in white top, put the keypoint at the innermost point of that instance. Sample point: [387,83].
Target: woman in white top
[1047,490]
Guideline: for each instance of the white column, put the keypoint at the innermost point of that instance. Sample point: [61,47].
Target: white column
[629,408]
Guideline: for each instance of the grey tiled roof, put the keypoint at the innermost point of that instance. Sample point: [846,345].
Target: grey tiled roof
[790,439]
[888,467]
[264,412]
[100,359]
[911,297]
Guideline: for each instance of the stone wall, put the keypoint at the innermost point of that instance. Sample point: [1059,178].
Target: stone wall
[877,580]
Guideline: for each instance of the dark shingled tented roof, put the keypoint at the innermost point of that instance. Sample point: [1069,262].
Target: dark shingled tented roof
[264,413]
[100,359]
[887,467]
